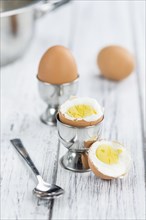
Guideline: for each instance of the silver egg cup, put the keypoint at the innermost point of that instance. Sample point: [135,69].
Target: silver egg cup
[54,95]
[74,139]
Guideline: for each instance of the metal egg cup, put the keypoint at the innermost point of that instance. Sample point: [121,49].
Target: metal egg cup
[74,139]
[54,95]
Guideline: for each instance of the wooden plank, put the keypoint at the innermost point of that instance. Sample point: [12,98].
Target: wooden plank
[99,24]
[21,107]
[139,8]
[138,14]
[91,27]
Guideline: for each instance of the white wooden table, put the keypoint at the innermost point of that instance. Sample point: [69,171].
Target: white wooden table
[85,27]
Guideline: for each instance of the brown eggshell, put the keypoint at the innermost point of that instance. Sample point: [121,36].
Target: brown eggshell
[57,66]
[88,143]
[115,62]
[78,123]
[97,172]
[84,158]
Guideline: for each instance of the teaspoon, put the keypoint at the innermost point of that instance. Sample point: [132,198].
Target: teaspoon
[43,190]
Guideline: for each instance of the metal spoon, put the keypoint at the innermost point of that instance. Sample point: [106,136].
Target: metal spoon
[43,190]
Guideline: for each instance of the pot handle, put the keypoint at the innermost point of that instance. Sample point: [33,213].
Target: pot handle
[48,5]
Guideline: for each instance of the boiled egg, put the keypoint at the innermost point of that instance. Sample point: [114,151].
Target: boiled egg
[81,112]
[57,66]
[115,62]
[109,159]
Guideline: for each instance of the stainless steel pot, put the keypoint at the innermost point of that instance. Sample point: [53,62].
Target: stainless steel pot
[17,24]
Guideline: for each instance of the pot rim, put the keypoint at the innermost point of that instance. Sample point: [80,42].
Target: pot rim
[22,9]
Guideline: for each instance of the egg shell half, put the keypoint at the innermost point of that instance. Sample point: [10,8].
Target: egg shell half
[84,158]
[99,174]
[57,66]
[88,143]
[93,119]
[78,123]
[115,62]
[96,171]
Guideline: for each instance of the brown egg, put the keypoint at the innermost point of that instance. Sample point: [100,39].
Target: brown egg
[57,66]
[115,62]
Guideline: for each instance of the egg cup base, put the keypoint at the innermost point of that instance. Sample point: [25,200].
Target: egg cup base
[74,161]
[53,95]
[49,116]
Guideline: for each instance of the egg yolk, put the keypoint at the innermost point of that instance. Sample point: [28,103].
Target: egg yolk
[81,111]
[107,154]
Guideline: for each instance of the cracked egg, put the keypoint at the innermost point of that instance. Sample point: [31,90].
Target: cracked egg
[109,159]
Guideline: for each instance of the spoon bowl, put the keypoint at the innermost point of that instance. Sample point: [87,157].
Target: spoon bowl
[46,190]
[43,190]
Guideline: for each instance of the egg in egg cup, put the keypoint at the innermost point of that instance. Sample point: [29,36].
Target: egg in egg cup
[57,80]
[77,132]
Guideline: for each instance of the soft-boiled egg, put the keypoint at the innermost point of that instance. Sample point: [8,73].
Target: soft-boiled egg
[81,112]
[109,159]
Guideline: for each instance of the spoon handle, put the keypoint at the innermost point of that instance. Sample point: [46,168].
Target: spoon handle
[22,151]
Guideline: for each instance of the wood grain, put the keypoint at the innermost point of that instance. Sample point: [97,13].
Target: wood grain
[87,196]
[85,27]
[21,108]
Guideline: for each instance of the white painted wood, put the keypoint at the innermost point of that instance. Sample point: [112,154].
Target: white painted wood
[99,24]
[21,108]
[137,13]
[85,27]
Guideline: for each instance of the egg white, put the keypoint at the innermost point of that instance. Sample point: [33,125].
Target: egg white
[112,170]
[79,101]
